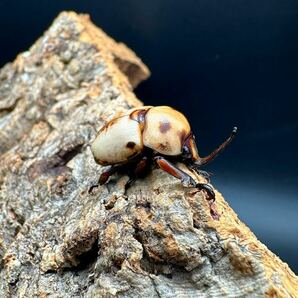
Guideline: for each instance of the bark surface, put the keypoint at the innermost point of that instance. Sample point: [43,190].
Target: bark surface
[158,239]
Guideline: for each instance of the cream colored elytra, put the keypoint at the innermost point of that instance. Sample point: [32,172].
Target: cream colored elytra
[110,145]
[162,129]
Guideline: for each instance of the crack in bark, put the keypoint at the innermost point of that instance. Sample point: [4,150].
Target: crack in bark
[55,165]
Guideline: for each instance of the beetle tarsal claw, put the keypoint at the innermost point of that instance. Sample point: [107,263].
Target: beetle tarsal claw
[205,174]
[92,187]
[208,188]
[188,182]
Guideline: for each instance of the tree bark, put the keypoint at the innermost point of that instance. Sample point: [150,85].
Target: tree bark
[157,239]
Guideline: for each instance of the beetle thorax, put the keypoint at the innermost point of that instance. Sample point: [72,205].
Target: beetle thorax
[165,130]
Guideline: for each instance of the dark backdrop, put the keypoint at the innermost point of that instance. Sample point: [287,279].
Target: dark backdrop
[222,63]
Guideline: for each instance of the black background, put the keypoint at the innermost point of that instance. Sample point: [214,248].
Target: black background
[223,63]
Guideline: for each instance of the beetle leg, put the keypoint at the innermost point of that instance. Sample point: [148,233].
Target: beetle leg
[130,181]
[174,171]
[208,189]
[103,178]
[205,174]
[141,166]
[138,171]
[185,178]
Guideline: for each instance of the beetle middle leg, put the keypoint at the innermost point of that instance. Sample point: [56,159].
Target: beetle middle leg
[138,171]
[205,174]
[185,178]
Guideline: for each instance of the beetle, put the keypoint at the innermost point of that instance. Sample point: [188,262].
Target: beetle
[158,134]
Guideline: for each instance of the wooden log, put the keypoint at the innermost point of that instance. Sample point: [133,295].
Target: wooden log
[157,239]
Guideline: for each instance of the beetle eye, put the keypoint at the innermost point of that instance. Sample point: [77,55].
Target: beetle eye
[185,151]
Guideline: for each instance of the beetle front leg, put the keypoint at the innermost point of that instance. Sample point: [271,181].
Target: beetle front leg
[185,178]
[174,171]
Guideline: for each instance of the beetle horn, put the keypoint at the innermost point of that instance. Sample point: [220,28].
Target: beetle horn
[211,156]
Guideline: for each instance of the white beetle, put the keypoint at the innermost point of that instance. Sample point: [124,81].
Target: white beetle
[149,134]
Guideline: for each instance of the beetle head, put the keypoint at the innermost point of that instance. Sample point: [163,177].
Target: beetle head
[189,149]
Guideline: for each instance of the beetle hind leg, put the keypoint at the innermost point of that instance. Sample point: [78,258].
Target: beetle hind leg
[104,176]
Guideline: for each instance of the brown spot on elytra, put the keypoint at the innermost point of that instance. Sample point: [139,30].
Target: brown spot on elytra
[130,145]
[164,126]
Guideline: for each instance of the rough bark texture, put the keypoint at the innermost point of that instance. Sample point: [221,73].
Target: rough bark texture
[56,240]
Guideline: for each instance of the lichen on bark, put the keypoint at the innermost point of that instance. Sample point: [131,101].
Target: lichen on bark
[157,239]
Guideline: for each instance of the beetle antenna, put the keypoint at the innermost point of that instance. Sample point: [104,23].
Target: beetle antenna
[211,156]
